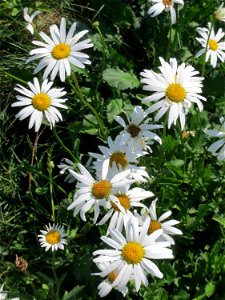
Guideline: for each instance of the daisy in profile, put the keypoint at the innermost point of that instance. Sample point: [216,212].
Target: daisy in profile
[105,286]
[157,223]
[219,14]
[96,192]
[40,101]
[59,52]
[175,89]
[218,148]
[215,48]
[29,19]
[129,199]
[53,237]
[64,166]
[132,254]
[137,130]
[164,5]
[122,156]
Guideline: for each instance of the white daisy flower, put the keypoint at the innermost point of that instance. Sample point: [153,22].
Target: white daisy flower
[128,199]
[219,14]
[64,166]
[58,52]
[164,5]
[29,19]
[175,89]
[40,101]
[3,294]
[218,148]
[105,287]
[92,192]
[132,254]
[137,131]
[157,223]
[122,156]
[215,48]
[53,237]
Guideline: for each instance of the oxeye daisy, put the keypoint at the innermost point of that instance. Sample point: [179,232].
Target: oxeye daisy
[219,14]
[29,19]
[164,5]
[96,192]
[157,223]
[215,48]
[40,101]
[218,148]
[175,89]
[132,253]
[137,130]
[127,200]
[60,51]
[122,156]
[53,237]
[64,166]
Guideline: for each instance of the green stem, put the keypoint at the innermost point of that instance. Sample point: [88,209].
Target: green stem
[103,57]
[170,41]
[15,78]
[51,188]
[55,276]
[206,47]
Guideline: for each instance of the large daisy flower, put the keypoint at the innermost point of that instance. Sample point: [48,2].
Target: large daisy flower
[96,192]
[40,101]
[29,19]
[218,148]
[137,131]
[53,237]
[58,52]
[175,89]
[128,200]
[215,48]
[157,223]
[122,156]
[164,5]
[132,253]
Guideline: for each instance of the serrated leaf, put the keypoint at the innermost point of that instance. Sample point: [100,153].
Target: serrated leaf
[114,108]
[119,79]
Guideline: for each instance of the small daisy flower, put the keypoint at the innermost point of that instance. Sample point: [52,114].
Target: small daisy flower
[92,192]
[53,237]
[137,131]
[157,223]
[132,254]
[218,148]
[128,199]
[215,48]
[40,101]
[164,5]
[64,166]
[121,157]
[105,286]
[3,294]
[175,89]
[219,14]
[59,52]
[29,19]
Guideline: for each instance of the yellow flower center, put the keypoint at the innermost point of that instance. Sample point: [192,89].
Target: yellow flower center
[53,237]
[61,51]
[154,225]
[124,201]
[101,189]
[167,2]
[119,158]
[41,101]
[175,92]
[112,276]
[133,252]
[213,45]
[133,130]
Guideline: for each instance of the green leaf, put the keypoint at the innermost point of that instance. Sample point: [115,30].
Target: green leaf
[114,108]
[209,289]
[73,293]
[220,220]
[119,79]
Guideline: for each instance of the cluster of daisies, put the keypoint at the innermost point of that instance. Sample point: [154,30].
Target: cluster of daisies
[135,235]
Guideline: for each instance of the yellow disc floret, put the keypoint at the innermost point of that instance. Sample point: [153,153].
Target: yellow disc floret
[101,189]
[175,92]
[61,51]
[154,225]
[119,158]
[213,45]
[133,130]
[124,201]
[41,101]
[53,237]
[133,252]
[167,2]
[112,276]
